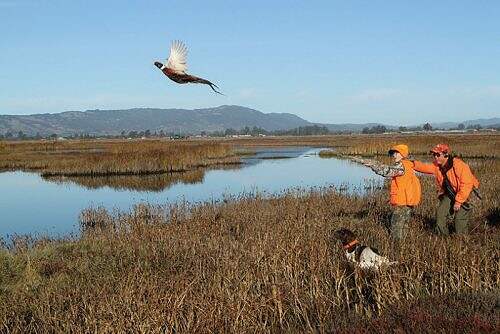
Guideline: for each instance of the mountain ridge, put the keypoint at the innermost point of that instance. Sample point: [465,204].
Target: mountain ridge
[176,120]
[101,122]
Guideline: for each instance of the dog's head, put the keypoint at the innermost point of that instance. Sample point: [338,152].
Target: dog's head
[345,236]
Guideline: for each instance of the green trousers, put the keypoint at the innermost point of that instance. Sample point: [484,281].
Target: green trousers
[400,220]
[445,214]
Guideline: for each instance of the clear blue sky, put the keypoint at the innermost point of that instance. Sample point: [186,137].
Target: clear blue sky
[396,62]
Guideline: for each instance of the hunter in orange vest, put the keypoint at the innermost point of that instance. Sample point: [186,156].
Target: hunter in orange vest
[405,190]
[455,183]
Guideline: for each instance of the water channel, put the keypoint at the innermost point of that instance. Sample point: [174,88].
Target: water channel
[30,204]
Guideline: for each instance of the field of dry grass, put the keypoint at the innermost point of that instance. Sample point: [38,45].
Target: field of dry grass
[252,264]
[113,157]
[480,145]
[140,157]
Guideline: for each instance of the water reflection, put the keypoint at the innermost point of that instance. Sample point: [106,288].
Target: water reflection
[32,204]
[154,183]
[276,153]
[161,182]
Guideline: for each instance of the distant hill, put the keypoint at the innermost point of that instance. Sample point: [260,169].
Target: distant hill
[113,122]
[100,122]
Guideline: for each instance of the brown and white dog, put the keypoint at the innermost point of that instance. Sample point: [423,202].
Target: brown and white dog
[363,256]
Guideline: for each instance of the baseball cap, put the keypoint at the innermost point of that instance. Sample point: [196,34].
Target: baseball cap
[441,148]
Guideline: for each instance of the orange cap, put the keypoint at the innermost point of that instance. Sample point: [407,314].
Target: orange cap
[401,148]
[441,148]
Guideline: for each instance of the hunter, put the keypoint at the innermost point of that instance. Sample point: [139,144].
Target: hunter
[455,183]
[405,191]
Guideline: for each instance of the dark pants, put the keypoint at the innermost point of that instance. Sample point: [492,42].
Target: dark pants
[400,220]
[445,214]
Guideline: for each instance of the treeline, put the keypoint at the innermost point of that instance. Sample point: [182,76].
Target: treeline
[425,127]
[253,131]
[310,130]
[131,134]
[384,129]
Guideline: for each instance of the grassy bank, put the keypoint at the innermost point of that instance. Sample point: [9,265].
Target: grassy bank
[113,157]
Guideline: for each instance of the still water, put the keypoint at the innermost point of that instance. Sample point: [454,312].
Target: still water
[30,204]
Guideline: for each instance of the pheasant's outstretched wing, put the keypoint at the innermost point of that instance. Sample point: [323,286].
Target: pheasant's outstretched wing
[177,60]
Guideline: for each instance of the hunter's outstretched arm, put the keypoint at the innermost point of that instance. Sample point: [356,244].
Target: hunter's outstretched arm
[389,170]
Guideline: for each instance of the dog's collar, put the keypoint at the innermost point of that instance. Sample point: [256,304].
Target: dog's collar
[349,245]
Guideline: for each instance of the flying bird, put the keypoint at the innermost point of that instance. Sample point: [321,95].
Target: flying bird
[176,67]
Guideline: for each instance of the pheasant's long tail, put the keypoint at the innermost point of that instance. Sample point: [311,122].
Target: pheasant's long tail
[206,82]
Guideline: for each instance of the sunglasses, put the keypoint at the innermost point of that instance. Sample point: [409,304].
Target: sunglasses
[435,155]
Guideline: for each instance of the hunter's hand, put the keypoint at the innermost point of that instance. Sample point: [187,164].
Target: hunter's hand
[456,206]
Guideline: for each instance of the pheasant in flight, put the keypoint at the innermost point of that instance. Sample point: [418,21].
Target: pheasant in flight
[176,67]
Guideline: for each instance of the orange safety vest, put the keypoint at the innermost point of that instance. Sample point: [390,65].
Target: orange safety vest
[405,189]
[460,176]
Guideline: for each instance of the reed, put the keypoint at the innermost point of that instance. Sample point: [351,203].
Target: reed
[114,157]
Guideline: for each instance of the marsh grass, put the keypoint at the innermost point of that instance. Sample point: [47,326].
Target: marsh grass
[468,146]
[480,145]
[114,157]
[250,264]
[255,264]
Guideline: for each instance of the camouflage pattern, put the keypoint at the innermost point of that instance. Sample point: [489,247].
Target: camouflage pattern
[383,170]
[445,216]
[401,215]
[400,221]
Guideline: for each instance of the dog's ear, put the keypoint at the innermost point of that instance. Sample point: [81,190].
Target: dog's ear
[339,234]
[344,235]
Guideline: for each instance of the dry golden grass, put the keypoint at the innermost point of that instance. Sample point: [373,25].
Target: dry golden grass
[124,157]
[480,145]
[243,266]
[252,264]
[113,157]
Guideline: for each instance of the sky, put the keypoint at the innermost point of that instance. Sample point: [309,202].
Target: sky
[394,62]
